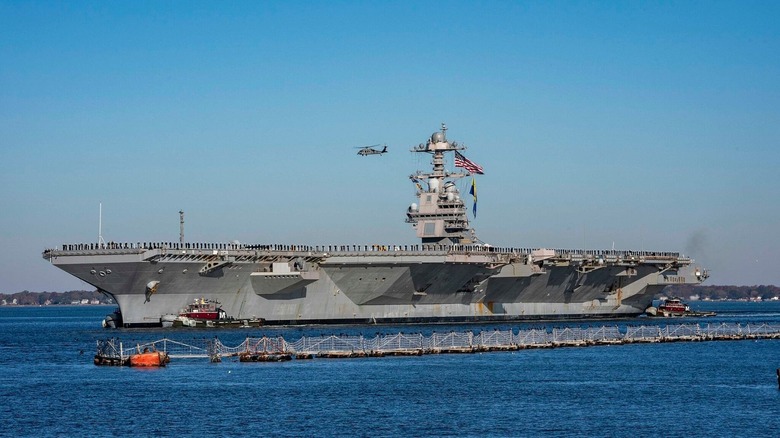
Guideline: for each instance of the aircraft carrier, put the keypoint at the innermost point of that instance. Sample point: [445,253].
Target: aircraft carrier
[449,276]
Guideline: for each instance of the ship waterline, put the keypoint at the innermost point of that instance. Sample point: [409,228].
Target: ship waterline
[450,276]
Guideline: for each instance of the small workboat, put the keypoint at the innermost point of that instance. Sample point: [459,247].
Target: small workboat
[203,309]
[674,307]
[113,319]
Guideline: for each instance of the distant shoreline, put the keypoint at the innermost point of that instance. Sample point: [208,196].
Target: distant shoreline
[70,298]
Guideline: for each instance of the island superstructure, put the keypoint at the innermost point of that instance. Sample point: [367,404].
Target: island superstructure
[450,276]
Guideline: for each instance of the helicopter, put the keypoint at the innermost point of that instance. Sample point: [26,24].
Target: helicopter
[370,150]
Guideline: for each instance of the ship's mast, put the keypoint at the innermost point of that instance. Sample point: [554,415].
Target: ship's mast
[181,226]
[439,216]
[101,242]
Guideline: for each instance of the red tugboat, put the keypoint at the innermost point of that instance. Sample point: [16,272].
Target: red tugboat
[675,307]
[203,309]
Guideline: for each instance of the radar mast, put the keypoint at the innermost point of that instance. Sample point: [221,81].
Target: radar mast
[439,215]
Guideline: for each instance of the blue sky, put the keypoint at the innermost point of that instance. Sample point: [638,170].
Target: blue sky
[641,125]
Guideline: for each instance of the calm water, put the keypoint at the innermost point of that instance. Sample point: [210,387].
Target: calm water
[49,387]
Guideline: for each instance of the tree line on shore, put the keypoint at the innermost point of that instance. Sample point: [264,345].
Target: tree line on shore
[722,292]
[27,298]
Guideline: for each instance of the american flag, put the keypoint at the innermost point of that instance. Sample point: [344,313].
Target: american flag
[461,161]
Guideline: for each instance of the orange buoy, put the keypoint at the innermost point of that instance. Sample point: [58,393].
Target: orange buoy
[149,359]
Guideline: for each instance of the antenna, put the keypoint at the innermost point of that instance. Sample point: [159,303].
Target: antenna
[181,226]
[101,242]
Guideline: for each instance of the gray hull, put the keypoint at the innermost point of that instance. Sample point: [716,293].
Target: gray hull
[359,285]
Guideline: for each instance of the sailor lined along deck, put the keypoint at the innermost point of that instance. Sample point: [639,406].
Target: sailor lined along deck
[450,276]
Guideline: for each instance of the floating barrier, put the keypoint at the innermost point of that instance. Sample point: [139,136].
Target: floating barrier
[277,349]
[110,352]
